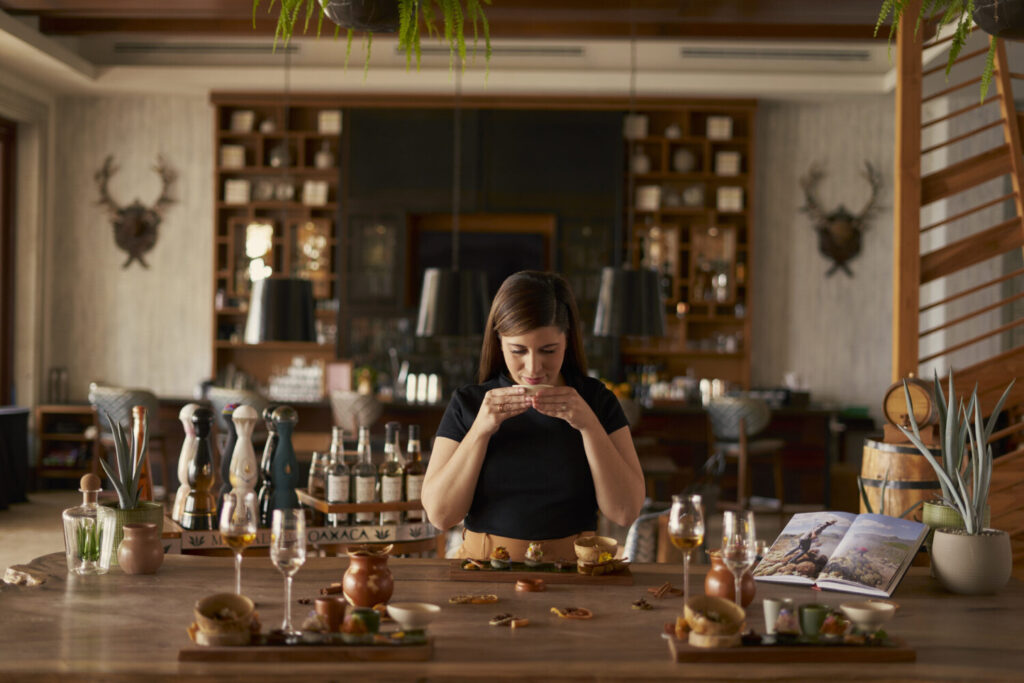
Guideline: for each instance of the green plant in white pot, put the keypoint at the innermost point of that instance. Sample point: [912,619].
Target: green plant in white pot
[124,475]
[972,559]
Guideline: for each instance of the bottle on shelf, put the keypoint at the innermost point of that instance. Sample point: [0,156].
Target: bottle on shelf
[414,471]
[391,479]
[365,476]
[316,485]
[229,448]
[339,478]
[350,458]
[140,430]
[285,467]
[89,531]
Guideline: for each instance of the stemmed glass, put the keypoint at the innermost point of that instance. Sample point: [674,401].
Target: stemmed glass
[288,552]
[686,530]
[238,519]
[739,545]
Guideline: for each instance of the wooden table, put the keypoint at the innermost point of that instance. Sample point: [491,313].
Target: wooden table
[120,627]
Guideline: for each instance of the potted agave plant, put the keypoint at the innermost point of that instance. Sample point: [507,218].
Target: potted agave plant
[974,559]
[124,475]
[404,17]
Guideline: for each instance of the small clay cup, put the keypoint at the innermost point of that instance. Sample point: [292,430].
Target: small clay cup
[331,609]
[812,618]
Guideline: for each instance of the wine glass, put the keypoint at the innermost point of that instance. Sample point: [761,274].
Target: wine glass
[686,530]
[288,553]
[739,545]
[238,518]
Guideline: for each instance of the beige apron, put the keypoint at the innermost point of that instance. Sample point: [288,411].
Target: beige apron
[479,546]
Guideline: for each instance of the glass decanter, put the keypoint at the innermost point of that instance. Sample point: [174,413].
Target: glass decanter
[89,532]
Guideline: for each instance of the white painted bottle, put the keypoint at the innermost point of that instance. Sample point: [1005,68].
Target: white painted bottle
[244,473]
[188,451]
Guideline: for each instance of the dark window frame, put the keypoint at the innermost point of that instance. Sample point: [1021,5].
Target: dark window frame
[8,140]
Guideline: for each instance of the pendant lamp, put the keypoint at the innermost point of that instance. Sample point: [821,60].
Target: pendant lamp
[280,309]
[629,302]
[453,302]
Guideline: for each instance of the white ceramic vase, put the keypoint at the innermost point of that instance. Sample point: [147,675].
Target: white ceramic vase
[972,565]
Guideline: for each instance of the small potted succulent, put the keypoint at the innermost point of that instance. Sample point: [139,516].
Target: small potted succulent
[973,559]
[406,17]
[124,475]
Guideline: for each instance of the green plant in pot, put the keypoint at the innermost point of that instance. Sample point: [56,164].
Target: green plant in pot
[124,475]
[998,18]
[405,17]
[973,559]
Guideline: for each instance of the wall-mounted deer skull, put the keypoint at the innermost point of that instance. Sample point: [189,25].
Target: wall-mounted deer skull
[839,232]
[135,225]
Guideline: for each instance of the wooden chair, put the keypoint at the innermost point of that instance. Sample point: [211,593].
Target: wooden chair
[116,404]
[734,421]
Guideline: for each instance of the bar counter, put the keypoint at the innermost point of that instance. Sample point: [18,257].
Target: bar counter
[120,627]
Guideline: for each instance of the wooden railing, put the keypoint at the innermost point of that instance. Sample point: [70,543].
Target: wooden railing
[958,277]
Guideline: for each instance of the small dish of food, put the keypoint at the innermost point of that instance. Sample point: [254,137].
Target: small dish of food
[868,615]
[534,555]
[413,616]
[590,548]
[500,559]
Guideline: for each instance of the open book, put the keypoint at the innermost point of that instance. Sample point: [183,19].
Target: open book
[844,552]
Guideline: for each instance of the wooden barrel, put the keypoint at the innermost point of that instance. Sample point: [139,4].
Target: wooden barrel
[911,478]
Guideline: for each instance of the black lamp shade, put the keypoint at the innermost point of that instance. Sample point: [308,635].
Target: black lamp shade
[281,309]
[453,303]
[629,304]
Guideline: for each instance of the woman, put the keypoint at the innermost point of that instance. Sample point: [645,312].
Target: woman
[520,464]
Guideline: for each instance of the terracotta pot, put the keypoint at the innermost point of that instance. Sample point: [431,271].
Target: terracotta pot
[367,581]
[972,565]
[721,583]
[141,551]
[147,511]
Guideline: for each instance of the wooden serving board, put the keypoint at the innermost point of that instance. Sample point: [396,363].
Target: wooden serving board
[309,653]
[622,577]
[898,651]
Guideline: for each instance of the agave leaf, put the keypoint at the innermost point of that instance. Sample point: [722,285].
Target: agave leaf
[944,478]
[911,508]
[991,424]
[112,476]
[863,493]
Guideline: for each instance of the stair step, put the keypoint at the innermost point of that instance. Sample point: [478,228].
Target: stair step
[965,174]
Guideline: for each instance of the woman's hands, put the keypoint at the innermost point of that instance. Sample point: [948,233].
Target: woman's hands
[566,404]
[499,405]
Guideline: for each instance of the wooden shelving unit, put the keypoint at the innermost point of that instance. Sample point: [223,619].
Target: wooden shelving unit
[66,450]
[276,166]
[689,188]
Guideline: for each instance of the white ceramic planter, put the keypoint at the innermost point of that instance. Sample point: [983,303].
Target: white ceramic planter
[972,565]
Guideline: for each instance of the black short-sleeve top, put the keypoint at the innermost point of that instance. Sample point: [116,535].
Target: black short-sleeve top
[535,482]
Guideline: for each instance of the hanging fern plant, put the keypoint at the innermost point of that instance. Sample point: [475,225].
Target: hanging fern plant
[999,18]
[407,17]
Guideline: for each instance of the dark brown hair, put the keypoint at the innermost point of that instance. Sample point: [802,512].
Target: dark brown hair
[525,301]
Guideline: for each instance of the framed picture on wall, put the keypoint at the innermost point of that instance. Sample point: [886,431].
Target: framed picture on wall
[377,256]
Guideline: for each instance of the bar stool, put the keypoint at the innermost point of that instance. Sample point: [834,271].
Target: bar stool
[734,420]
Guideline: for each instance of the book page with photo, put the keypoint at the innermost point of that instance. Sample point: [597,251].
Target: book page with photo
[842,551]
[804,547]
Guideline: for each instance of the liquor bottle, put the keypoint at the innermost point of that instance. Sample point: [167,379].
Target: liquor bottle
[285,467]
[316,486]
[391,474]
[340,490]
[365,475]
[414,471]
[140,429]
[89,531]
[200,507]
[350,458]
[188,451]
[229,449]
[242,472]
[266,464]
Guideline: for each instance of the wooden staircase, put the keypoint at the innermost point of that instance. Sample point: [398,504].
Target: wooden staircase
[958,282]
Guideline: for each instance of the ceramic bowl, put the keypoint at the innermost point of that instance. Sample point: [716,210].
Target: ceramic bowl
[532,389]
[589,548]
[713,616]
[868,615]
[223,613]
[413,616]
